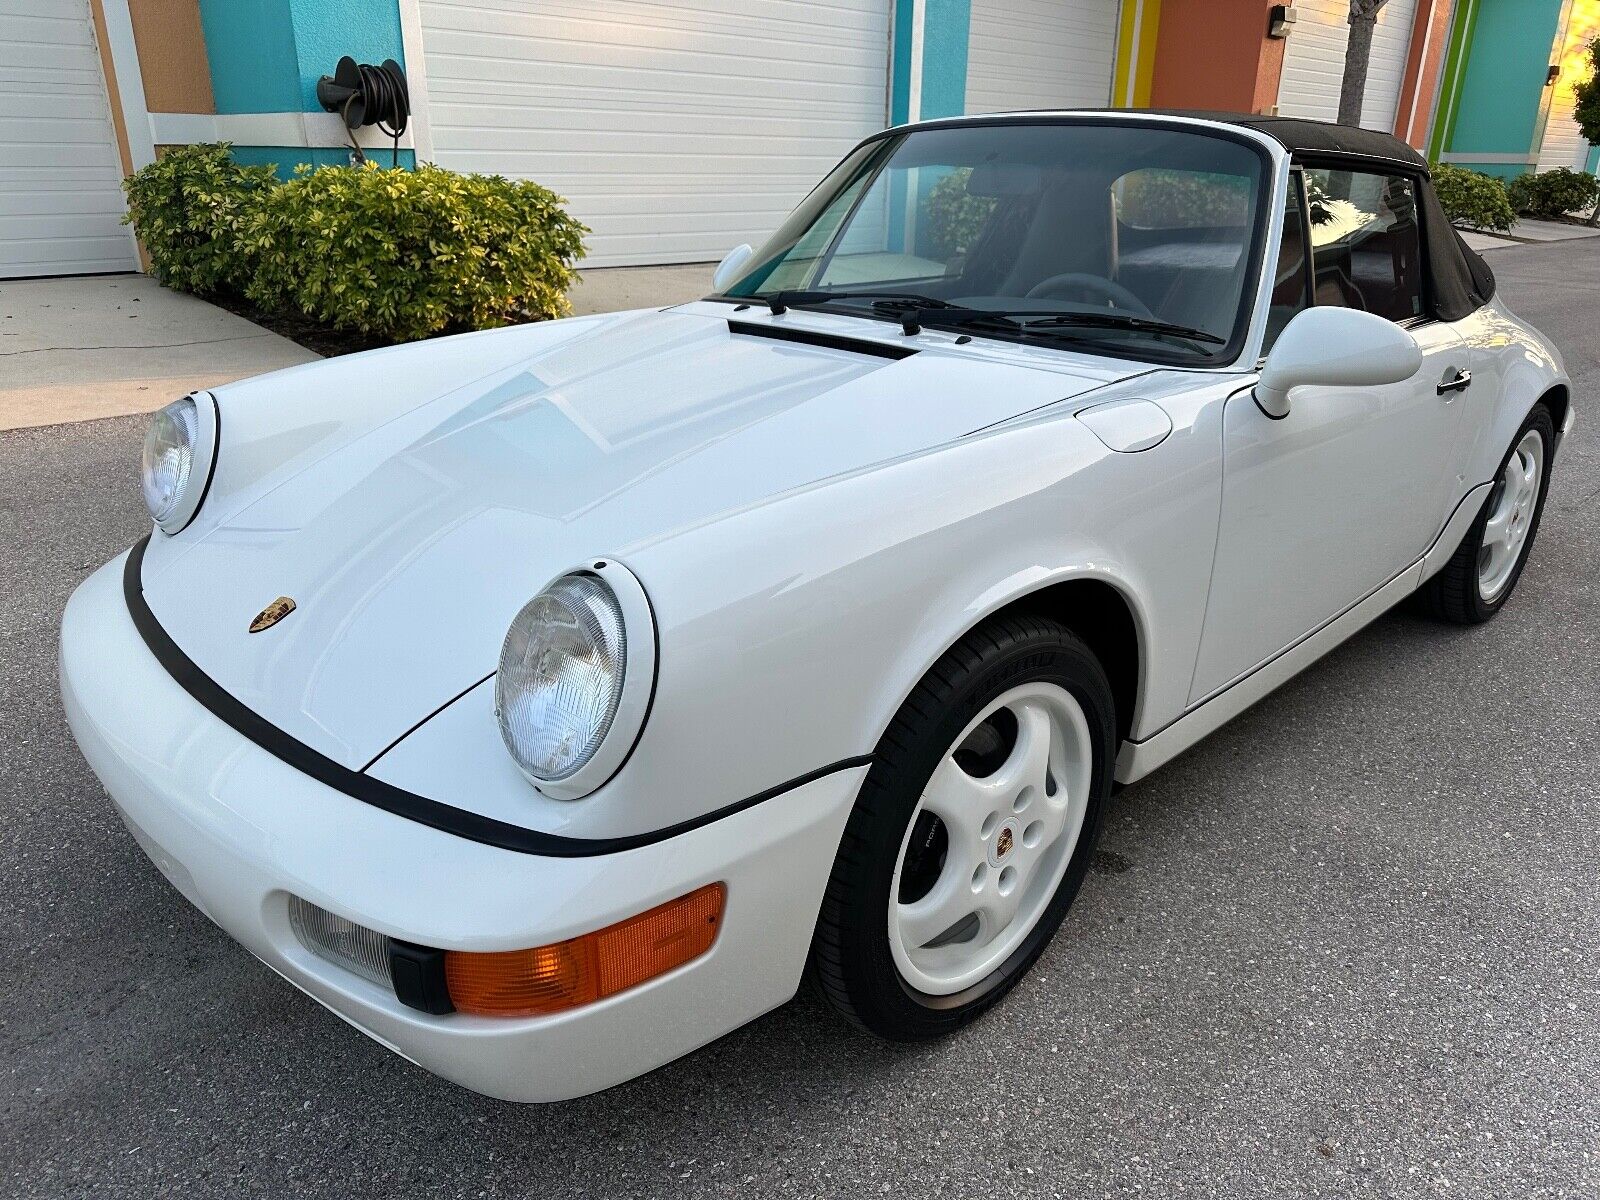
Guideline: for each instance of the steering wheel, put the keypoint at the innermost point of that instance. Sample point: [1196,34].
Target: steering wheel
[1074,285]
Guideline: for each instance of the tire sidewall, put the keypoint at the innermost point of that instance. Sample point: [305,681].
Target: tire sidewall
[1538,418]
[1062,660]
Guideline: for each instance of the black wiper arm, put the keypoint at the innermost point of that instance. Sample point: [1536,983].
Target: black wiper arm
[1125,321]
[779,302]
[1030,319]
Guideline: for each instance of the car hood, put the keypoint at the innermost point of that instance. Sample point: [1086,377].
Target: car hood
[408,550]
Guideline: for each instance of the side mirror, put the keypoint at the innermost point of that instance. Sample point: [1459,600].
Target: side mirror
[1338,347]
[730,266]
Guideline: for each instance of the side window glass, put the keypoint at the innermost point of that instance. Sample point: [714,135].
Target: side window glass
[1290,293]
[1365,242]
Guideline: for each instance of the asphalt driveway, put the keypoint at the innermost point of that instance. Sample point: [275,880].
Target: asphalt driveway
[1349,946]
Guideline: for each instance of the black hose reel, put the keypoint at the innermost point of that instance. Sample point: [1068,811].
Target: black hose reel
[362,94]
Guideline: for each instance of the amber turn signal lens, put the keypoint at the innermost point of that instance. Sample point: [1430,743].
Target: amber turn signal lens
[547,979]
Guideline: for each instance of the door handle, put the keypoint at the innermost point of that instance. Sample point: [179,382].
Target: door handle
[1460,383]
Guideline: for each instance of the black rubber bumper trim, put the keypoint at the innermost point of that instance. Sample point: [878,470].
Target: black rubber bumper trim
[444,817]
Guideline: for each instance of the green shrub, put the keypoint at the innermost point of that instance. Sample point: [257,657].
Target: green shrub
[405,254]
[1472,198]
[1552,193]
[187,207]
[954,218]
[1167,198]
[390,253]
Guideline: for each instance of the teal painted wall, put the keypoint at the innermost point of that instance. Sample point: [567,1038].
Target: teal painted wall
[367,30]
[944,57]
[1503,86]
[254,67]
[945,26]
[267,55]
[287,158]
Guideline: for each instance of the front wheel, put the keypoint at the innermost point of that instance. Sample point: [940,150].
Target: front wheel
[1481,574]
[972,834]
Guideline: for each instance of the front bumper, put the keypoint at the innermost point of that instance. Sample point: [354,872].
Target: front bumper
[238,831]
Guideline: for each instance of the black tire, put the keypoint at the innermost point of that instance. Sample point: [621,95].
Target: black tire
[852,962]
[1454,594]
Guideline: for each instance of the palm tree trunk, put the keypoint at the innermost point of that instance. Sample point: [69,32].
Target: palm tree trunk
[1357,57]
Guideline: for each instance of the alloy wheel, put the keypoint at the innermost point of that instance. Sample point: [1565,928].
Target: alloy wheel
[990,838]
[1506,532]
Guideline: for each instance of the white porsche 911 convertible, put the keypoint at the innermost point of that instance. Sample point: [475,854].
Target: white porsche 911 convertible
[550,701]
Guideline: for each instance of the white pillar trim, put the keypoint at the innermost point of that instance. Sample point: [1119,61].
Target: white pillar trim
[420,130]
[919,18]
[129,95]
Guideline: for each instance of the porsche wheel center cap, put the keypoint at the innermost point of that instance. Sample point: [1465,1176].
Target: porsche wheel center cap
[1004,843]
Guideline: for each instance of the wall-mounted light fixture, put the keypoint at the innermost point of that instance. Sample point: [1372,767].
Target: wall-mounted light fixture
[1280,20]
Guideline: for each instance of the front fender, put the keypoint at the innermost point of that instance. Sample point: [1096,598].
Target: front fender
[791,631]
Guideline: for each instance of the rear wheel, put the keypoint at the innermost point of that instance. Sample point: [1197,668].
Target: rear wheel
[972,834]
[1484,570]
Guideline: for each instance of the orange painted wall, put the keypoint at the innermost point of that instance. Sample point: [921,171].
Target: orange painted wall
[1430,38]
[1216,54]
[172,55]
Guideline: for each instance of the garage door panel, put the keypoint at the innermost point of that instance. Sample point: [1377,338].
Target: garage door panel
[1313,63]
[71,133]
[565,65]
[1024,54]
[675,130]
[626,144]
[54,200]
[60,173]
[63,225]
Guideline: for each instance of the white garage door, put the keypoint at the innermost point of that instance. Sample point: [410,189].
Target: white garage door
[1313,62]
[1024,54]
[676,130]
[1563,144]
[60,176]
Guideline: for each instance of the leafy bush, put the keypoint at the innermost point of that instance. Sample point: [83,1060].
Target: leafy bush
[1472,198]
[954,218]
[406,254]
[391,253]
[1552,193]
[1166,198]
[187,207]
[1586,97]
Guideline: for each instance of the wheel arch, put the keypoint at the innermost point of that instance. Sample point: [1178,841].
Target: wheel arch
[1558,399]
[1103,616]
[1101,610]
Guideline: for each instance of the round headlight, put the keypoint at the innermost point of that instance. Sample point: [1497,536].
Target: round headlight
[571,677]
[178,450]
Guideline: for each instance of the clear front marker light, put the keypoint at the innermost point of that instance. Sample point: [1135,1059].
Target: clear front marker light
[576,673]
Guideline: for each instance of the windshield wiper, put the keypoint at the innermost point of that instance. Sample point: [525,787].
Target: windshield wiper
[915,311]
[1025,320]
[779,302]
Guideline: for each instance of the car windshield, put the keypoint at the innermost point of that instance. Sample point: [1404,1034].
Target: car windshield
[1124,238]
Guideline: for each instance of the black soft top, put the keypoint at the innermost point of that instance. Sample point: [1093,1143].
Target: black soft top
[1309,139]
[1459,280]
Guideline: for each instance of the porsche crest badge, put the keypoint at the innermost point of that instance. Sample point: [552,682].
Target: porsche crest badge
[272,614]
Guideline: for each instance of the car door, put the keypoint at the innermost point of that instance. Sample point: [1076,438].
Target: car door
[1324,506]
